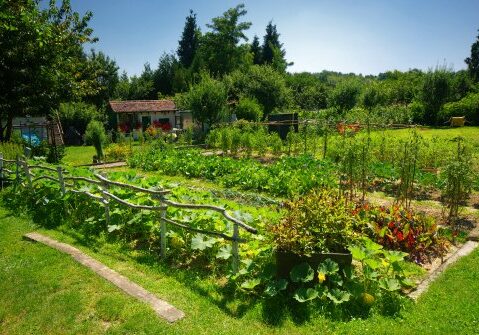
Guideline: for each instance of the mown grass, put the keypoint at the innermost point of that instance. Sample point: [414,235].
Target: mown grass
[46,292]
[79,155]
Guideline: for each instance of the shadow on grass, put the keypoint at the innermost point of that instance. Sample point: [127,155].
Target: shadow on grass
[200,277]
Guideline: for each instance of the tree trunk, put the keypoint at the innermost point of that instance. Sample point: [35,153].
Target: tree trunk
[9,126]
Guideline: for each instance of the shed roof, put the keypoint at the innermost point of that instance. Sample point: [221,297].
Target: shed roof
[132,106]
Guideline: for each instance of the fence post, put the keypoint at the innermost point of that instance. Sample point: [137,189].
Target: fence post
[162,232]
[235,248]
[106,202]
[27,173]
[163,228]
[60,179]
[17,170]
[1,168]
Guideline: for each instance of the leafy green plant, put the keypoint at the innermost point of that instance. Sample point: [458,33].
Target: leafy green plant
[118,152]
[379,269]
[457,180]
[317,222]
[398,228]
[408,169]
[95,135]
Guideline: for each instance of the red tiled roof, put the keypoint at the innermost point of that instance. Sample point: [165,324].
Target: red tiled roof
[132,106]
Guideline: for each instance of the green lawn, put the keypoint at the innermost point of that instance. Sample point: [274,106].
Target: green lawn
[46,292]
[79,155]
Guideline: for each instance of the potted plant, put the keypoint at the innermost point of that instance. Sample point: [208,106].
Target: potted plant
[317,226]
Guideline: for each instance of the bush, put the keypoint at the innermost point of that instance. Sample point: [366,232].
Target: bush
[118,152]
[11,150]
[95,135]
[318,222]
[207,100]
[249,109]
[467,106]
[77,115]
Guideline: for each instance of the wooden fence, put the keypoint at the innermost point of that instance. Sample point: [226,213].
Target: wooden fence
[25,177]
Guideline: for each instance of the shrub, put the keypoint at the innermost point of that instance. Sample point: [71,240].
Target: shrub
[77,115]
[467,106]
[11,150]
[118,152]
[249,109]
[207,100]
[320,221]
[95,135]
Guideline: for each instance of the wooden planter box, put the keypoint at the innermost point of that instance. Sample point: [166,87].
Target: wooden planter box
[285,261]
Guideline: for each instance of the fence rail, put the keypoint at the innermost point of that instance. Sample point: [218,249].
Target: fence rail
[24,177]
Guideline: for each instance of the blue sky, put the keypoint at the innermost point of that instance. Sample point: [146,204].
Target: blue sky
[361,36]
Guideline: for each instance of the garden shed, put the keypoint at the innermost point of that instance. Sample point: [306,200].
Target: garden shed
[140,114]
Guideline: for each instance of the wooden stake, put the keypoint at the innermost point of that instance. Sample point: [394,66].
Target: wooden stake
[60,179]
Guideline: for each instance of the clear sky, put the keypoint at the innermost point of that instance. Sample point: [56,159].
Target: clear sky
[361,36]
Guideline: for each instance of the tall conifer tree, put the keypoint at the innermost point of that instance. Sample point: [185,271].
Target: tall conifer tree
[189,41]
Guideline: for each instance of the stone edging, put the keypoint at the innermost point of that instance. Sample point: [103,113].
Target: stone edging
[465,250]
[161,307]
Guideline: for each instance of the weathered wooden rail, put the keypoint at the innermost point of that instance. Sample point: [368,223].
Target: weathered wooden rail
[68,183]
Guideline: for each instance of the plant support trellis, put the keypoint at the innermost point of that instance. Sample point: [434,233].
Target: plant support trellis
[24,177]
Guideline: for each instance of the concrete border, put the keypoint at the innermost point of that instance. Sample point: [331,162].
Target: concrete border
[161,307]
[465,250]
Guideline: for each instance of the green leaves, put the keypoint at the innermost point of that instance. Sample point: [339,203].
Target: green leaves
[389,284]
[303,294]
[395,256]
[275,287]
[250,284]
[302,273]
[328,267]
[201,242]
[358,253]
[224,252]
[338,296]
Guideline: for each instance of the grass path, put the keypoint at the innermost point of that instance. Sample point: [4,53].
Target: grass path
[45,292]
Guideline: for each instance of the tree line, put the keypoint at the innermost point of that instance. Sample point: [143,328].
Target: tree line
[214,73]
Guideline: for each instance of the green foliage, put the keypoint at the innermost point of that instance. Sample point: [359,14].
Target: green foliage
[256,51]
[408,167]
[319,221]
[77,115]
[435,91]
[104,72]
[467,106]
[308,92]
[302,273]
[207,100]
[118,152]
[189,42]
[287,176]
[248,109]
[272,52]
[164,75]
[219,50]
[40,43]
[397,228]
[380,269]
[11,150]
[95,135]
[344,96]
[457,176]
[262,83]
[473,61]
